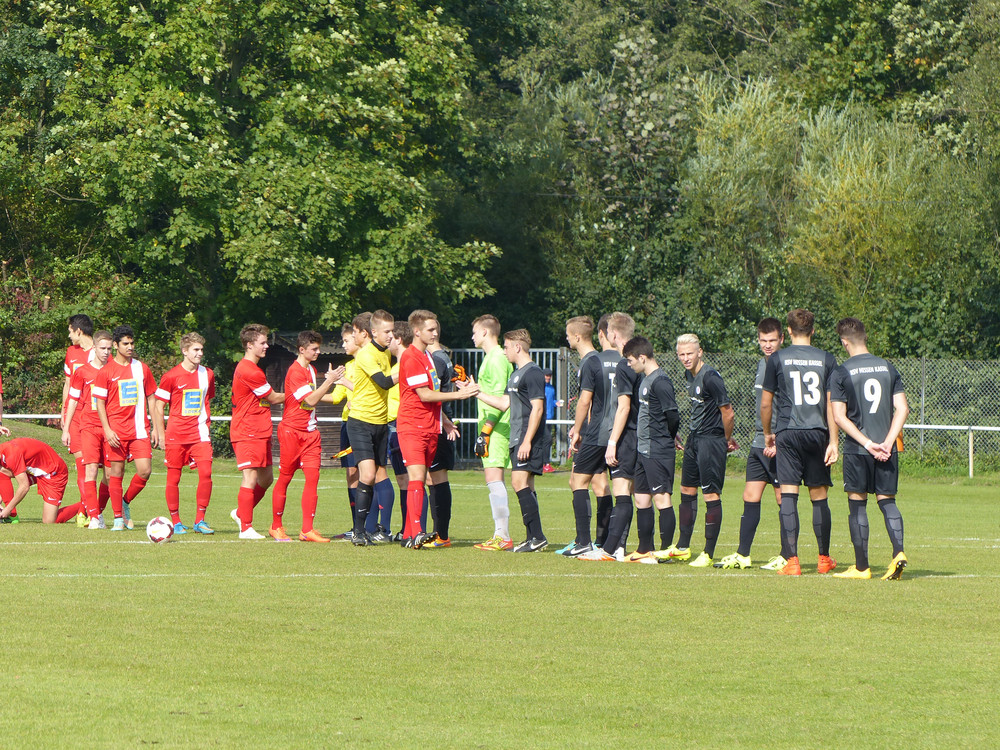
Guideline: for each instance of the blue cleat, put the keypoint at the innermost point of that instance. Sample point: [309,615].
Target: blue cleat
[202,528]
[180,528]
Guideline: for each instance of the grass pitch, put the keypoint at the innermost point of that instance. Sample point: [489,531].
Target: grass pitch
[115,642]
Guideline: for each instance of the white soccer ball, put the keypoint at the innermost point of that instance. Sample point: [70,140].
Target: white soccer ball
[159,530]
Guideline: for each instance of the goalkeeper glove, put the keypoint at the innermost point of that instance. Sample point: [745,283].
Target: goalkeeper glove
[460,375]
[482,448]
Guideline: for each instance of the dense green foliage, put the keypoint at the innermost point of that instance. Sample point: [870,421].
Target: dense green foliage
[698,164]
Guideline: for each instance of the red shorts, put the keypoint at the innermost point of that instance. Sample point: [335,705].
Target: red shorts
[180,455]
[75,437]
[298,448]
[418,448]
[92,445]
[128,450]
[51,489]
[253,454]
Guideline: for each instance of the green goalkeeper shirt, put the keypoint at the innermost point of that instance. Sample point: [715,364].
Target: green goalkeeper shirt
[494,372]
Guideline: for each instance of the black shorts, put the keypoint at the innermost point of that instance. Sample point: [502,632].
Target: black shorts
[800,458]
[444,459]
[345,442]
[540,450]
[590,460]
[395,454]
[704,463]
[655,475]
[866,476]
[368,441]
[760,468]
[627,453]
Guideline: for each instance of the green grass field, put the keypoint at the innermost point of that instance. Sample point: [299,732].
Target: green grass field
[111,641]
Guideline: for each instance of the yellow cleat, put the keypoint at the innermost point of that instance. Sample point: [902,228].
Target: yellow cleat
[702,561]
[853,572]
[895,571]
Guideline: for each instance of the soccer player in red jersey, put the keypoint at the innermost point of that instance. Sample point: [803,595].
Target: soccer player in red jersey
[79,353]
[299,437]
[124,390]
[31,461]
[420,420]
[187,388]
[81,411]
[251,428]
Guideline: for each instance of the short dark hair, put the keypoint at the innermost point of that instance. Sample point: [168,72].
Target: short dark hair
[251,331]
[769,325]
[638,347]
[801,321]
[400,329]
[490,323]
[521,336]
[305,338]
[602,324]
[122,332]
[853,330]
[363,322]
[82,323]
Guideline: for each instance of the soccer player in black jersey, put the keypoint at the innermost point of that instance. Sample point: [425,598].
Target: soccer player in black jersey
[796,380]
[529,440]
[870,406]
[710,440]
[656,430]
[621,454]
[588,440]
[761,468]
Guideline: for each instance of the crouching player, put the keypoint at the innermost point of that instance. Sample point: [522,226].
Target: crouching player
[420,419]
[29,461]
[187,388]
[870,406]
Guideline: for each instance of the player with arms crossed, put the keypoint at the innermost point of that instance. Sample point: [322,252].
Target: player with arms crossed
[299,438]
[124,390]
[82,410]
[420,420]
[588,437]
[187,389]
[710,440]
[493,443]
[761,465]
[796,380]
[656,431]
[529,440]
[251,428]
[870,406]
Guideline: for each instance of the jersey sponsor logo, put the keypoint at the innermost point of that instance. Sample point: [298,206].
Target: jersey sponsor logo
[191,401]
[645,391]
[128,393]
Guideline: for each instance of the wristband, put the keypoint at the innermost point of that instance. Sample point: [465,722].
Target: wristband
[868,445]
[487,428]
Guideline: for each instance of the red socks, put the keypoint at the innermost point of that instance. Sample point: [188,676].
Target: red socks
[414,504]
[173,494]
[115,488]
[310,497]
[68,512]
[278,497]
[134,487]
[204,492]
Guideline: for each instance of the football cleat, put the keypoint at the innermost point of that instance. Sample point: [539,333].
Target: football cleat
[361,539]
[641,557]
[311,536]
[203,528]
[82,519]
[97,522]
[791,568]
[421,539]
[532,545]
[895,571]
[496,544]
[251,533]
[596,555]
[278,534]
[735,561]
[119,525]
[235,515]
[567,548]
[127,515]
[180,528]
[435,543]
[701,561]
[578,549]
[825,564]
[620,554]
[775,563]
[853,572]
[678,554]
[406,542]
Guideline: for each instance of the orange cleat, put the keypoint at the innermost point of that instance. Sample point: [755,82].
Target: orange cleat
[312,536]
[792,568]
[278,534]
[825,564]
